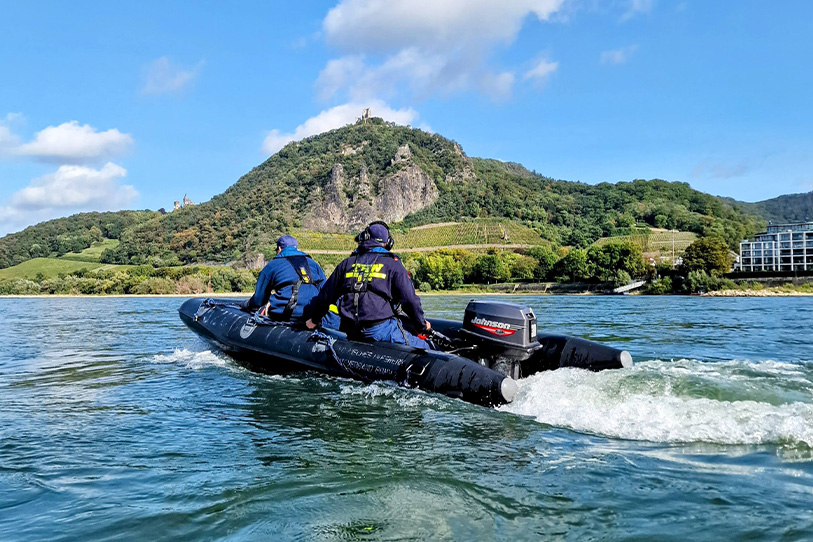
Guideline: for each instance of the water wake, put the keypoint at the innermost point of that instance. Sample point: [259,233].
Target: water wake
[404,398]
[736,402]
[191,359]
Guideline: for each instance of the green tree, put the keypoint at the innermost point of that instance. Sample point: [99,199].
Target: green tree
[441,271]
[95,234]
[709,254]
[545,257]
[660,286]
[573,267]
[608,261]
[524,268]
[490,268]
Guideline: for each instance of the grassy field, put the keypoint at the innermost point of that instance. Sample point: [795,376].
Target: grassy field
[68,263]
[656,241]
[92,254]
[482,232]
[51,267]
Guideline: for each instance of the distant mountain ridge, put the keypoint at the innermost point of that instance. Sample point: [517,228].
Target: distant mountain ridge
[782,209]
[339,180]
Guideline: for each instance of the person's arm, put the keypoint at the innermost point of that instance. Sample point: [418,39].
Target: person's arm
[404,292]
[329,293]
[262,291]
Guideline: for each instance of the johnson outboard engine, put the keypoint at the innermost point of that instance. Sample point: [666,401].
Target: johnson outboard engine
[502,335]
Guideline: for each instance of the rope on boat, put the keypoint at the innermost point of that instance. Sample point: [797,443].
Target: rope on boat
[318,335]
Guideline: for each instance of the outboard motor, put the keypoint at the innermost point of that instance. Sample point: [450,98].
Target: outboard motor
[503,335]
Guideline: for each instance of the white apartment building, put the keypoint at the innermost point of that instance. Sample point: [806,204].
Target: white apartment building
[784,247]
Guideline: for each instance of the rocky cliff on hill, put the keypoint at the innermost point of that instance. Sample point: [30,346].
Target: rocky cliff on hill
[348,203]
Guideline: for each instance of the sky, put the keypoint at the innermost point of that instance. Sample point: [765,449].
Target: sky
[113,105]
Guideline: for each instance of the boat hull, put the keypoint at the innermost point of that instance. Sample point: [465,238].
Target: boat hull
[273,347]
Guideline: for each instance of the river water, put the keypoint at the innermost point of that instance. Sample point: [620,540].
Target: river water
[117,423]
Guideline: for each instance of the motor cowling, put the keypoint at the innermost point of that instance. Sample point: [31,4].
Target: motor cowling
[504,334]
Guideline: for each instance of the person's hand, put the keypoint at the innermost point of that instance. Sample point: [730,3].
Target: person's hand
[428,325]
[264,310]
[309,324]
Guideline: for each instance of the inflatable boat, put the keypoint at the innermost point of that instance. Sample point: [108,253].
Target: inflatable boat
[477,360]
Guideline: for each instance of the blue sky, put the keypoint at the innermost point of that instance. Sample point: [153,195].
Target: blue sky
[109,105]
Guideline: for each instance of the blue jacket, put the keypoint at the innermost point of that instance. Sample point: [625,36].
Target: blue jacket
[389,284]
[279,275]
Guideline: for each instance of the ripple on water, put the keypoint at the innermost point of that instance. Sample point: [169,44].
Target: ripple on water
[116,421]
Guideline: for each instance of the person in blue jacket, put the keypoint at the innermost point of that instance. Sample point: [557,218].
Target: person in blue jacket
[367,287]
[292,276]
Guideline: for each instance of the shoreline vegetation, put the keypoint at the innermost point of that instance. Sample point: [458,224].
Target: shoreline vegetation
[787,290]
[536,270]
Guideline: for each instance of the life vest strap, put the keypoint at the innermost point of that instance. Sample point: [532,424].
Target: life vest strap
[303,271]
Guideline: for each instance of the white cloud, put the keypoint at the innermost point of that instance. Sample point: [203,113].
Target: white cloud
[70,189]
[75,143]
[76,186]
[8,140]
[373,25]
[164,77]
[339,73]
[618,56]
[428,46]
[498,85]
[418,71]
[634,7]
[336,117]
[541,71]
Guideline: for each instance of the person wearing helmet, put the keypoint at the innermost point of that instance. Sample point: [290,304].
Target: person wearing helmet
[367,287]
[292,276]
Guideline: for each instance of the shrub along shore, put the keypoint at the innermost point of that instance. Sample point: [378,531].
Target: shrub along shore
[536,270]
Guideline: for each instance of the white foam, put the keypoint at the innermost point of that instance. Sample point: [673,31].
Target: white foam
[405,398]
[649,402]
[190,359]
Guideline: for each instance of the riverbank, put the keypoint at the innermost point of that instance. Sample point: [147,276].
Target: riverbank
[565,290]
[767,292]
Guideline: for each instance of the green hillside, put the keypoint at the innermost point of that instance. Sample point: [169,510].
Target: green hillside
[93,253]
[51,267]
[87,259]
[71,234]
[655,241]
[480,232]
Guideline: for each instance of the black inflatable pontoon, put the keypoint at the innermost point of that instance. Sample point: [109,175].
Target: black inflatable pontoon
[477,360]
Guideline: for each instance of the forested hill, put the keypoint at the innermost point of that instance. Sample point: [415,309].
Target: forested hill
[342,179]
[62,235]
[572,213]
[782,209]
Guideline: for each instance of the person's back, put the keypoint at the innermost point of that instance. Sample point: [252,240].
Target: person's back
[368,285]
[292,276]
